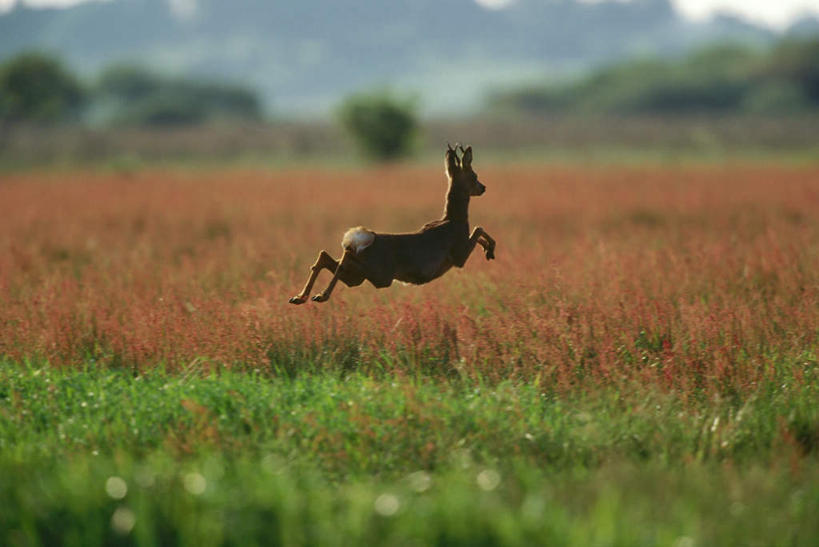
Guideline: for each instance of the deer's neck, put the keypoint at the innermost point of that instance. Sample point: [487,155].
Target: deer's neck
[457,206]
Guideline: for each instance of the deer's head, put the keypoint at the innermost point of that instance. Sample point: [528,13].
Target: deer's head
[459,171]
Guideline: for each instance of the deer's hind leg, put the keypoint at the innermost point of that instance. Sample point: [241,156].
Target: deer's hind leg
[324,260]
[348,271]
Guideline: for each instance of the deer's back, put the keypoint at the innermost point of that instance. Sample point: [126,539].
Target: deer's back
[415,257]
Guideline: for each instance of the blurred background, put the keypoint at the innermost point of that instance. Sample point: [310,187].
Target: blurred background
[131,81]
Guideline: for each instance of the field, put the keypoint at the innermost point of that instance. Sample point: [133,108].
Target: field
[637,367]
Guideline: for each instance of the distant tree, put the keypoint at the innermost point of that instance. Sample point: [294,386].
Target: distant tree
[134,95]
[797,62]
[381,124]
[127,82]
[777,97]
[35,87]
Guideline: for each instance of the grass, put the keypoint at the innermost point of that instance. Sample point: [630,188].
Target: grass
[99,456]
[637,367]
[359,424]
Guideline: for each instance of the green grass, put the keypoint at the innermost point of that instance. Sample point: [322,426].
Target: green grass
[91,456]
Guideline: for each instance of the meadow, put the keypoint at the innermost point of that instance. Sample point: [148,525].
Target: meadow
[637,367]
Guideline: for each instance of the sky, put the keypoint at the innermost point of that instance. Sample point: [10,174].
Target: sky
[774,13]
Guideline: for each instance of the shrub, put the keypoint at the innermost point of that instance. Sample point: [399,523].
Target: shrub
[381,124]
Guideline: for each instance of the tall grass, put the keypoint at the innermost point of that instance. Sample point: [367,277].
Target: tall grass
[697,279]
[205,501]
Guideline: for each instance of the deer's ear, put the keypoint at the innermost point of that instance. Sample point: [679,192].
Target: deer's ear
[466,161]
[452,163]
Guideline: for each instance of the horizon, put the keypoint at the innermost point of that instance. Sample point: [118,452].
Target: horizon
[777,16]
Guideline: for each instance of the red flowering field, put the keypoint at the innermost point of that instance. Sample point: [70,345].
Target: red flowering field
[691,277]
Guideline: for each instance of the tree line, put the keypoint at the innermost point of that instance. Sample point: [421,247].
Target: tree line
[729,79]
[38,88]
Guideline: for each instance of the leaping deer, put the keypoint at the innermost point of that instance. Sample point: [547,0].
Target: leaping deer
[416,257]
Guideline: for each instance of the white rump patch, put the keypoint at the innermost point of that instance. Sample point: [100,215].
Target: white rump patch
[357,239]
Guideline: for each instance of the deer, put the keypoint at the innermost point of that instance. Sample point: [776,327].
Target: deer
[414,257]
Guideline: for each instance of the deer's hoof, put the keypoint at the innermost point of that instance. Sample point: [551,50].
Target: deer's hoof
[319,298]
[296,300]
[490,255]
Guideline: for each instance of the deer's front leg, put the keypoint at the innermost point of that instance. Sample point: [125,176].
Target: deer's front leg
[481,237]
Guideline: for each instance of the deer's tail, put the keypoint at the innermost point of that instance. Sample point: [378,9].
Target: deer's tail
[357,239]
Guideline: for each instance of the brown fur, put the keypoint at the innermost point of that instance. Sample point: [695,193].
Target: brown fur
[415,257]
